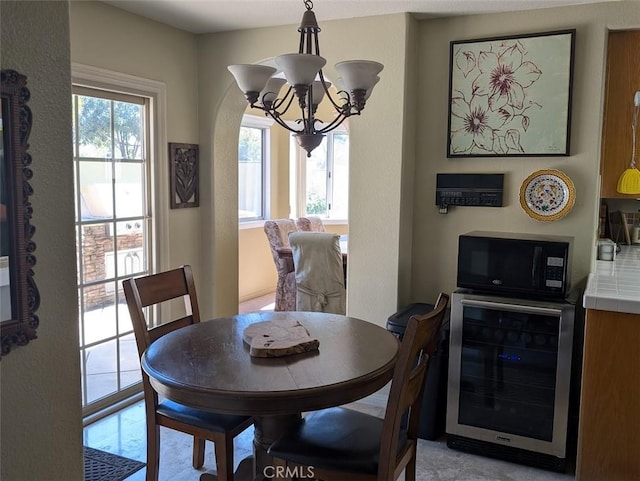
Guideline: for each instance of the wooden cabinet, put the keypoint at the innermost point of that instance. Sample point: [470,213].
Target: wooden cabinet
[609,433]
[622,81]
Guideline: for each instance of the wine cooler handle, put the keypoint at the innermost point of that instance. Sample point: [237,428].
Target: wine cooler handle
[511,307]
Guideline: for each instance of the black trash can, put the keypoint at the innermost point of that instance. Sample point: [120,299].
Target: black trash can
[434,401]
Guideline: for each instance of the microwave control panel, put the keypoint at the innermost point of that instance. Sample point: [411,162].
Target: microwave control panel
[554,276]
[468,190]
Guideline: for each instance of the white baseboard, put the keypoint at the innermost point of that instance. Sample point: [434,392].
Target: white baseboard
[254,295]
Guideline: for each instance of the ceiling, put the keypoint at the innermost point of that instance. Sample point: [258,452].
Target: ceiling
[208,16]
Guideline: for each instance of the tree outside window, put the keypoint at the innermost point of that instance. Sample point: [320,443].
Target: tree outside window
[252,168]
[95,116]
[325,190]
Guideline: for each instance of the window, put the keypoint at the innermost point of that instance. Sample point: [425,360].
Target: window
[321,182]
[113,235]
[253,159]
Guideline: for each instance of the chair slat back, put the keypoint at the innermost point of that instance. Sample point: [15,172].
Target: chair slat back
[419,344]
[158,331]
[142,292]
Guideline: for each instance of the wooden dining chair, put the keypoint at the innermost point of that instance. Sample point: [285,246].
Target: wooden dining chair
[141,294]
[339,443]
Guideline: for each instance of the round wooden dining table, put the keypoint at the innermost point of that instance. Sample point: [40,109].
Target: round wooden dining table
[209,366]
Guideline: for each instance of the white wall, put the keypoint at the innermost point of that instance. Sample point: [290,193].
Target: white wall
[400,248]
[435,235]
[41,425]
[109,38]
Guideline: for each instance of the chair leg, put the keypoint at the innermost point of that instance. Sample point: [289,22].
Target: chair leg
[153,451]
[198,452]
[224,457]
[410,470]
[280,466]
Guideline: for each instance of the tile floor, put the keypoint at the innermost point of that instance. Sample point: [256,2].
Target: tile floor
[123,433]
[262,303]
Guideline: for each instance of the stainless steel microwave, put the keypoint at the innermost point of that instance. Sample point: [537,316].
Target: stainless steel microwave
[522,265]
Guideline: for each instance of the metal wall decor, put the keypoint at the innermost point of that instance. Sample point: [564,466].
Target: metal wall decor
[511,96]
[184,168]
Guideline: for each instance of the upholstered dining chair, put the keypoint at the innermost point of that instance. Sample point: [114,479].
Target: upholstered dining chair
[277,232]
[319,272]
[310,223]
[141,294]
[340,443]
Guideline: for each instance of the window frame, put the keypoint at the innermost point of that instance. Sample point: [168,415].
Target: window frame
[298,179]
[111,281]
[96,78]
[264,124]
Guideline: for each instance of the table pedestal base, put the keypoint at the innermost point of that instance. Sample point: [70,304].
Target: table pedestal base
[267,429]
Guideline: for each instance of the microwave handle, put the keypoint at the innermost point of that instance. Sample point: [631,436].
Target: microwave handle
[535,268]
[511,307]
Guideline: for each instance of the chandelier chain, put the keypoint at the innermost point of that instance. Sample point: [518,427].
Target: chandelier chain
[308,4]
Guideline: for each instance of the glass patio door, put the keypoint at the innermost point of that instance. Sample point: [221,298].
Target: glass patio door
[113,235]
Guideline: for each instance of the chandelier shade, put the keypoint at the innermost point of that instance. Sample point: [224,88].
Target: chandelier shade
[251,78]
[368,94]
[302,72]
[359,74]
[318,92]
[270,93]
[300,68]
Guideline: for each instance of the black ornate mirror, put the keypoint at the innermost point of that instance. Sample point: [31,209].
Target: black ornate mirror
[19,299]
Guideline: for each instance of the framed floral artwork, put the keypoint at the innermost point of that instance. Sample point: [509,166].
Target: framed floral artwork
[511,96]
[183,162]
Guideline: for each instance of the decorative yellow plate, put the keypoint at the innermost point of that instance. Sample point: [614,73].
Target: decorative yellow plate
[547,195]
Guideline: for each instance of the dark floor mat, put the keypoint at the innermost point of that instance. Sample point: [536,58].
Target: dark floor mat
[103,466]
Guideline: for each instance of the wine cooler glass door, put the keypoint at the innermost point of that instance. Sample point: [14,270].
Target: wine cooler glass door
[509,372]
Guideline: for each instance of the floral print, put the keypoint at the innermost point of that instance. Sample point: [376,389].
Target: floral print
[504,77]
[277,232]
[472,124]
[493,102]
[311,223]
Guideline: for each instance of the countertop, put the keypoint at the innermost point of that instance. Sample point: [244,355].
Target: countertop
[615,286]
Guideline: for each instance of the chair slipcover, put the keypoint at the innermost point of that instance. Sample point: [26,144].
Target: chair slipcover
[278,235]
[319,273]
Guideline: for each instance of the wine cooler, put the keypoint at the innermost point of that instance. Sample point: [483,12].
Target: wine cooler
[510,363]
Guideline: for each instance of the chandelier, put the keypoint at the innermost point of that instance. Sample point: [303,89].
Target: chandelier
[261,85]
